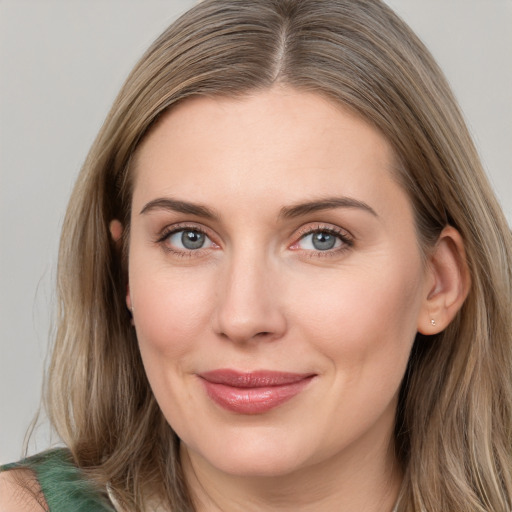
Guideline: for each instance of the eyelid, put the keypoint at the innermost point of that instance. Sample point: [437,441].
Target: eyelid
[312,227]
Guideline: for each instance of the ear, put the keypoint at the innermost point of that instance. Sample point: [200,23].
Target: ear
[447,283]
[116,230]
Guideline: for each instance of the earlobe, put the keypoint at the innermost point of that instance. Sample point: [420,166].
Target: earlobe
[448,283]
[128,298]
[129,304]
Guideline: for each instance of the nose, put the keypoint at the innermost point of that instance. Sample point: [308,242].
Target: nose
[249,301]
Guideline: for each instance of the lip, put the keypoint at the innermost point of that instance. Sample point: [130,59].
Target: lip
[253,392]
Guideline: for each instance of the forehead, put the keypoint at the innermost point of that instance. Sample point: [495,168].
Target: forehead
[279,143]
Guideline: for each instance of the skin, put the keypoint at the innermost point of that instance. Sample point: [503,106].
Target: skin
[259,295]
[20,492]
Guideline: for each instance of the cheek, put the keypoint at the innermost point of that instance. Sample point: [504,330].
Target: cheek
[170,309]
[171,313]
[363,316]
[364,325]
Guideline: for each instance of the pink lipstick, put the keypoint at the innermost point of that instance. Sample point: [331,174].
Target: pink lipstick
[254,392]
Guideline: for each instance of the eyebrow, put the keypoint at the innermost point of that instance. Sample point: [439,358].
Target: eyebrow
[329,203]
[287,212]
[166,203]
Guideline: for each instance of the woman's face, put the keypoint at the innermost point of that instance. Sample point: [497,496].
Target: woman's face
[275,279]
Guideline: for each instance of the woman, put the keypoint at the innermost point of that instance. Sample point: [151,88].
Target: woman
[285,283]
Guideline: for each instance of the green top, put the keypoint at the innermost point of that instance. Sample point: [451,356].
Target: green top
[64,486]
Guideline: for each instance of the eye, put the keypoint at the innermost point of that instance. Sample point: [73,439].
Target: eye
[187,239]
[322,240]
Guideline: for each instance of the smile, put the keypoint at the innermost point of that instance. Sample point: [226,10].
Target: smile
[255,392]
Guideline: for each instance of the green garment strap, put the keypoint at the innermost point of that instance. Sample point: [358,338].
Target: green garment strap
[64,486]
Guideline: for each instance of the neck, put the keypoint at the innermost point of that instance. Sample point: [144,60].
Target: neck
[354,481]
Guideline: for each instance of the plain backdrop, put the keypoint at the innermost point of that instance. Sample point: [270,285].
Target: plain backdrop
[61,65]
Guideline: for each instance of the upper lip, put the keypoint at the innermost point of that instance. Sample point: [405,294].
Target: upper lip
[253,379]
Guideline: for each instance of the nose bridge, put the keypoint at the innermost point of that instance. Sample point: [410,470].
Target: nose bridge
[248,304]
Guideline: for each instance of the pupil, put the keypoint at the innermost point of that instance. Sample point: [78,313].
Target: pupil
[192,239]
[323,241]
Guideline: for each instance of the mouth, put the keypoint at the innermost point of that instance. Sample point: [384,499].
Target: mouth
[253,392]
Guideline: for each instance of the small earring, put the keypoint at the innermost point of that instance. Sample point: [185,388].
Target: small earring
[433,322]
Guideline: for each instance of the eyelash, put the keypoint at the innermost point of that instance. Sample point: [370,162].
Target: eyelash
[346,240]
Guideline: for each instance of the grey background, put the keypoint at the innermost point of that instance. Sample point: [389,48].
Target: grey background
[61,65]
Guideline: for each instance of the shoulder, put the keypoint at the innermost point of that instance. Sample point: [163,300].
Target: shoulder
[49,481]
[20,492]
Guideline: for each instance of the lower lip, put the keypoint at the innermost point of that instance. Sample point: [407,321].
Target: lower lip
[255,400]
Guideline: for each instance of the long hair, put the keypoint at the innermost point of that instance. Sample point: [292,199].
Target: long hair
[453,432]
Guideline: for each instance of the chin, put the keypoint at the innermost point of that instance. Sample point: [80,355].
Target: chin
[258,466]
[256,457]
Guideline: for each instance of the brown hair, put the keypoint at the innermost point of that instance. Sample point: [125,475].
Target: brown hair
[454,420]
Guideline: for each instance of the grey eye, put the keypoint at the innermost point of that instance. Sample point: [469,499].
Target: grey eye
[323,241]
[192,239]
[189,239]
[320,241]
